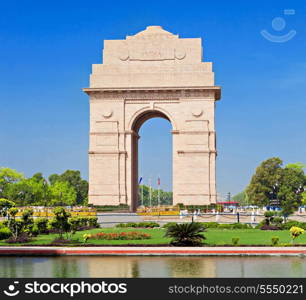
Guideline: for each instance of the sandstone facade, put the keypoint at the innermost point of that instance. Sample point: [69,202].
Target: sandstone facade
[152,74]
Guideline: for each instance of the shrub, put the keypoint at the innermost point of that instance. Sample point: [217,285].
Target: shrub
[22,238]
[131,224]
[274,240]
[12,212]
[131,235]
[225,226]
[147,224]
[75,223]
[241,226]
[138,225]
[5,205]
[34,230]
[277,221]
[269,215]
[42,225]
[269,227]
[2,224]
[28,222]
[60,221]
[5,233]
[260,224]
[83,221]
[296,232]
[169,224]
[16,227]
[289,224]
[235,241]
[93,222]
[186,234]
[210,225]
[302,225]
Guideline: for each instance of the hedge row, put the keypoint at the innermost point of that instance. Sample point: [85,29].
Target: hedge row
[45,226]
[217,225]
[282,226]
[138,225]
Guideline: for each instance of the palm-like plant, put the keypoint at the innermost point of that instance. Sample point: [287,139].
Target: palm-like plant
[186,234]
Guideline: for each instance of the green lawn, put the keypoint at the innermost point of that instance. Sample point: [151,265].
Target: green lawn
[213,237]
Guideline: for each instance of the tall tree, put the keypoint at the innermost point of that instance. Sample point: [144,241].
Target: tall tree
[8,176]
[263,182]
[73,177]
[241,198]
[62,193]
[291,189]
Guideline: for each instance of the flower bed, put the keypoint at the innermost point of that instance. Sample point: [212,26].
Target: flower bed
[131,235]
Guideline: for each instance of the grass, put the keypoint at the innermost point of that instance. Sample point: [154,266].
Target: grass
[214,237]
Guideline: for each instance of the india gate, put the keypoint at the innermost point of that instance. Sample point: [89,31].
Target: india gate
[153,73]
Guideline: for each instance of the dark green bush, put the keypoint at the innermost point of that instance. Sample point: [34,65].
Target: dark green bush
[93,222]
[241,226]
[274,240]
[147,224]
[42,225]
[75,223]
[61,221]
[5,233]
[210,224]
[34,231]
[235,241]
[289,224]
[269,216]
[277,221]
[169,224]
[186,234]
[225,226]
[138,225]
[302,225]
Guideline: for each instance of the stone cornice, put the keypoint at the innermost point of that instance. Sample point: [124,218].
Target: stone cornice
[213,92]
[196,151]
[193,132]
[107,152]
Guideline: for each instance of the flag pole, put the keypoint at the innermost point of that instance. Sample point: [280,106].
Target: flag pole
[150,192]
[158,190]
[142,195]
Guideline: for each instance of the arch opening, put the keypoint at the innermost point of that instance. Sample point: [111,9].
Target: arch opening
[155,159]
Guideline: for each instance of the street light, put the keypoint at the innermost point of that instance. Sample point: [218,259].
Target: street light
[45,200]
[273,196]
[21,193]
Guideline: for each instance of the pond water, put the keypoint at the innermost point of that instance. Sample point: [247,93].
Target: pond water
[107,266]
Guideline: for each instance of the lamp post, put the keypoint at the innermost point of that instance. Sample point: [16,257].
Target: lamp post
[45,200]
[21,194]
[273,196]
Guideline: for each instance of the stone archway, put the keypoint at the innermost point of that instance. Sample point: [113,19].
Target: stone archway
[139,120]
[152,74]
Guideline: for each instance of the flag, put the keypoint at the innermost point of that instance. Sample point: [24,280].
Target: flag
[158,181]
[140,179]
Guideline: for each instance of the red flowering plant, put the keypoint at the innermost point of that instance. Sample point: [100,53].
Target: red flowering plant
[131,235]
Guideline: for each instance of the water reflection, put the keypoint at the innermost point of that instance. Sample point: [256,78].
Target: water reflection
[99,266]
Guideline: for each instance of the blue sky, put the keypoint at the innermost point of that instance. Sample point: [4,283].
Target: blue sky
[47,48]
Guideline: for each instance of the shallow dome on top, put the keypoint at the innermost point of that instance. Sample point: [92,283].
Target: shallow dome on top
[154,31]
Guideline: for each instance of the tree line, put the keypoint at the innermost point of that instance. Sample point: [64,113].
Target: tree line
[65,189]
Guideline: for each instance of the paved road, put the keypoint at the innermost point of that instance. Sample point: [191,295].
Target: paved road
[111,219]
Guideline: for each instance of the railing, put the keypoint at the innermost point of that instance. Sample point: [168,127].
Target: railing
[108,219]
